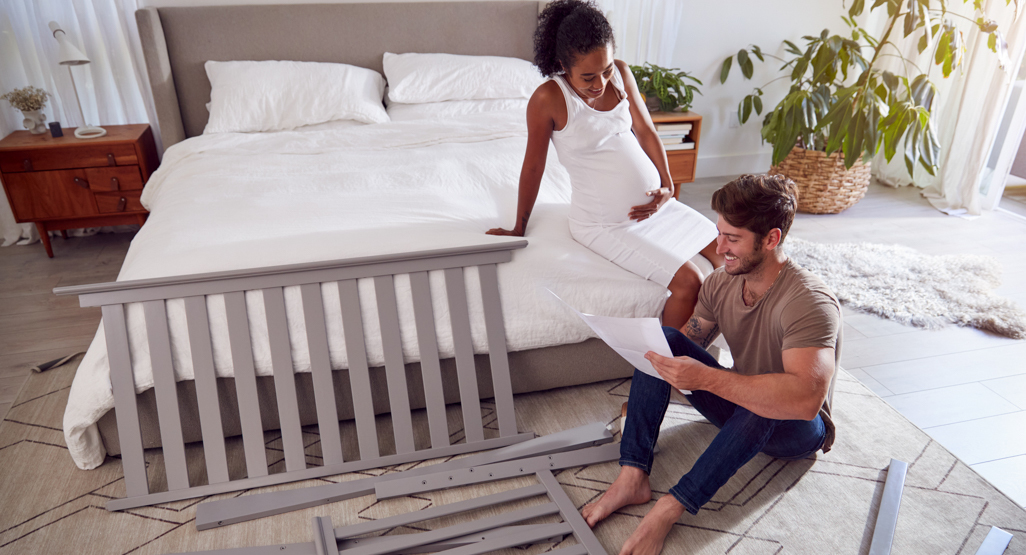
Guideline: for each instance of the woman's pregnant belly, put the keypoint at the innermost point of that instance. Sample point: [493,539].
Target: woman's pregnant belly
[610,180]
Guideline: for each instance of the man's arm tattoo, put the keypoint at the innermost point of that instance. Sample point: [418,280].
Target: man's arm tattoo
[703,338]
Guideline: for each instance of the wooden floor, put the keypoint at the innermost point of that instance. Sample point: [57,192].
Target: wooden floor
[966,388]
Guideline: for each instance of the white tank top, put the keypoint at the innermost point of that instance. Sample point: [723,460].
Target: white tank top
[609,172]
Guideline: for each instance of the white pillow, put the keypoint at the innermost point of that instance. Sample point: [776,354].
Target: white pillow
[417,78]
[454,108]
[281,95]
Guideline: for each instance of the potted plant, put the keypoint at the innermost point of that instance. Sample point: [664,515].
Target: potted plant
[842,108]
[30,101]
[665,89]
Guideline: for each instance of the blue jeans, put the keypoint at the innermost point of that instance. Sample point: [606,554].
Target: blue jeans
[742,435]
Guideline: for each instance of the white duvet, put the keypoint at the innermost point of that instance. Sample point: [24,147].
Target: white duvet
[233,201]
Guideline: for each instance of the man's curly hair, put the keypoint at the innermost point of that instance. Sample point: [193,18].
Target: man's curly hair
[567,29]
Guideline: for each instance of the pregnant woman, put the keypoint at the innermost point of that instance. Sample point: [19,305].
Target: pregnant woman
[622,202]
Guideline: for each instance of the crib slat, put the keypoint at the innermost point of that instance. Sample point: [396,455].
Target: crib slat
[395,369]
[501,385]
[459,315]
[206,389]
[167,396]
[431,372]
[320,366]
[245,384]
[284,379]
[359,373]
[123,384]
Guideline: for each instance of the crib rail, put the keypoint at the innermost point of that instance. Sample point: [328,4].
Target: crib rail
[270,282]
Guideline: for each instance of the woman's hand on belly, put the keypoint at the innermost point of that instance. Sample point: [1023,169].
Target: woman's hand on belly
[645,211]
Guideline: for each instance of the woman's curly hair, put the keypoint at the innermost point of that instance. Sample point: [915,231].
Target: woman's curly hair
[566,29]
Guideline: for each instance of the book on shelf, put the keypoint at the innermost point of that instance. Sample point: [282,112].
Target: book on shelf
[680,146]
[673,139]
[674,127]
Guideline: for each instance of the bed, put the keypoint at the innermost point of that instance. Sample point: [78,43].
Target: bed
[237,201]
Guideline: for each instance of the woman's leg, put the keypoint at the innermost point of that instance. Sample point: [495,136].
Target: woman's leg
[683,295]
[709,252]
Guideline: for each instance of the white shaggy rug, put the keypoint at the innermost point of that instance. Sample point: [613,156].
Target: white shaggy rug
[906,285]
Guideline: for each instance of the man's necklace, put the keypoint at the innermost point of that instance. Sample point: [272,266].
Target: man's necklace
[749,297]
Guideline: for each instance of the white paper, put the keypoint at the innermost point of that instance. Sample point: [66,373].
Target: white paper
[631,338]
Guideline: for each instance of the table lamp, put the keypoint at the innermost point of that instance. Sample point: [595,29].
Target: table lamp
[71,56]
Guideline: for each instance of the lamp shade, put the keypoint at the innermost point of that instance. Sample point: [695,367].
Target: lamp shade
[68,54]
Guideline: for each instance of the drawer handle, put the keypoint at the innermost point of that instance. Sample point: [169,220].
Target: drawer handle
[28,164]
[81,183]
[122,202]
[114,184]
[110,160]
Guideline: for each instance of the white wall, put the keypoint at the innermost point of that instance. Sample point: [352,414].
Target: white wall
[711,31]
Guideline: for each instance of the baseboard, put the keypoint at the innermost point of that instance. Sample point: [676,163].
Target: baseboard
[732,164]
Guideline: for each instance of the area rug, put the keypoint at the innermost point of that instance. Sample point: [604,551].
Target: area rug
[815,506]
[913,288]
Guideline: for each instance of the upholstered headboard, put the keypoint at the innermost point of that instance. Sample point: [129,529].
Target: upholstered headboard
[177,41]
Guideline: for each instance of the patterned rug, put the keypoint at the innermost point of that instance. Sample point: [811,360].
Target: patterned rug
[824,505]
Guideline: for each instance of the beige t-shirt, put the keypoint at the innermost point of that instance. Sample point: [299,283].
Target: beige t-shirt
[797,311]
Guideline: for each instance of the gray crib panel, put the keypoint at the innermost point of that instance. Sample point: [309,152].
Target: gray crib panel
[569,512]
[380,524]
[206,389]
[463,342]
[284,379]
[324,538]
[281,276]
[430,368]
[359,373]
[245,384]
[169,419]
[501,384]
[123,383]
[320,367]
[395,369]
[407,541]
[524,537]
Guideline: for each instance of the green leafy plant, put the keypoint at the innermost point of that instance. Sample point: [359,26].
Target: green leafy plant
[670,86]
[840,100]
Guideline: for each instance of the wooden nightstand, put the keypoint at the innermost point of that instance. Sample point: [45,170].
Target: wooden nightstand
[68,183]
[682,162]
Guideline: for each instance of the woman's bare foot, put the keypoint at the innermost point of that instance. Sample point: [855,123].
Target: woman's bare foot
[648,538]
[630,488]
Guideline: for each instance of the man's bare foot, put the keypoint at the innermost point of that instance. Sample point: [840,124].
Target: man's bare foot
[648,538]
[630,488]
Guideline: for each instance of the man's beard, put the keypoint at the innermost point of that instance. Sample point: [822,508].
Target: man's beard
[747,264]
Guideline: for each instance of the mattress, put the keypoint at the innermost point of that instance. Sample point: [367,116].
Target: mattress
[235,201]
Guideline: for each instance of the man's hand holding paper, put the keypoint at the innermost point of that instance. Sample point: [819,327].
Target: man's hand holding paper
[634,339]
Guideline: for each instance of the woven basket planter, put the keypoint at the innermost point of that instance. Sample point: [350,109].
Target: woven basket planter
[825,186]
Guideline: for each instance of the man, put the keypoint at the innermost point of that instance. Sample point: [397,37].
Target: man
[781,323]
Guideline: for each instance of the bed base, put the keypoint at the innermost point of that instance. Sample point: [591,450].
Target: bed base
[153,294]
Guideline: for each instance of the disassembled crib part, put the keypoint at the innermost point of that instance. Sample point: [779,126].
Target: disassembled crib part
[995,543]
[887,517]
[482,535]
[196,291]
[223,512]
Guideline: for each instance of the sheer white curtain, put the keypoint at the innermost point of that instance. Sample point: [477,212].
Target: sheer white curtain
[113,88]
[972,104]
[645,30]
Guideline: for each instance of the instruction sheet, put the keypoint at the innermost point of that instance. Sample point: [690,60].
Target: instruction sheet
[631,338]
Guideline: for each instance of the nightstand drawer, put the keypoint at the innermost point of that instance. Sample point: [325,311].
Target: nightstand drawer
[682,165]
[120,178]
[81,156]
[113,203]
[48,195]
